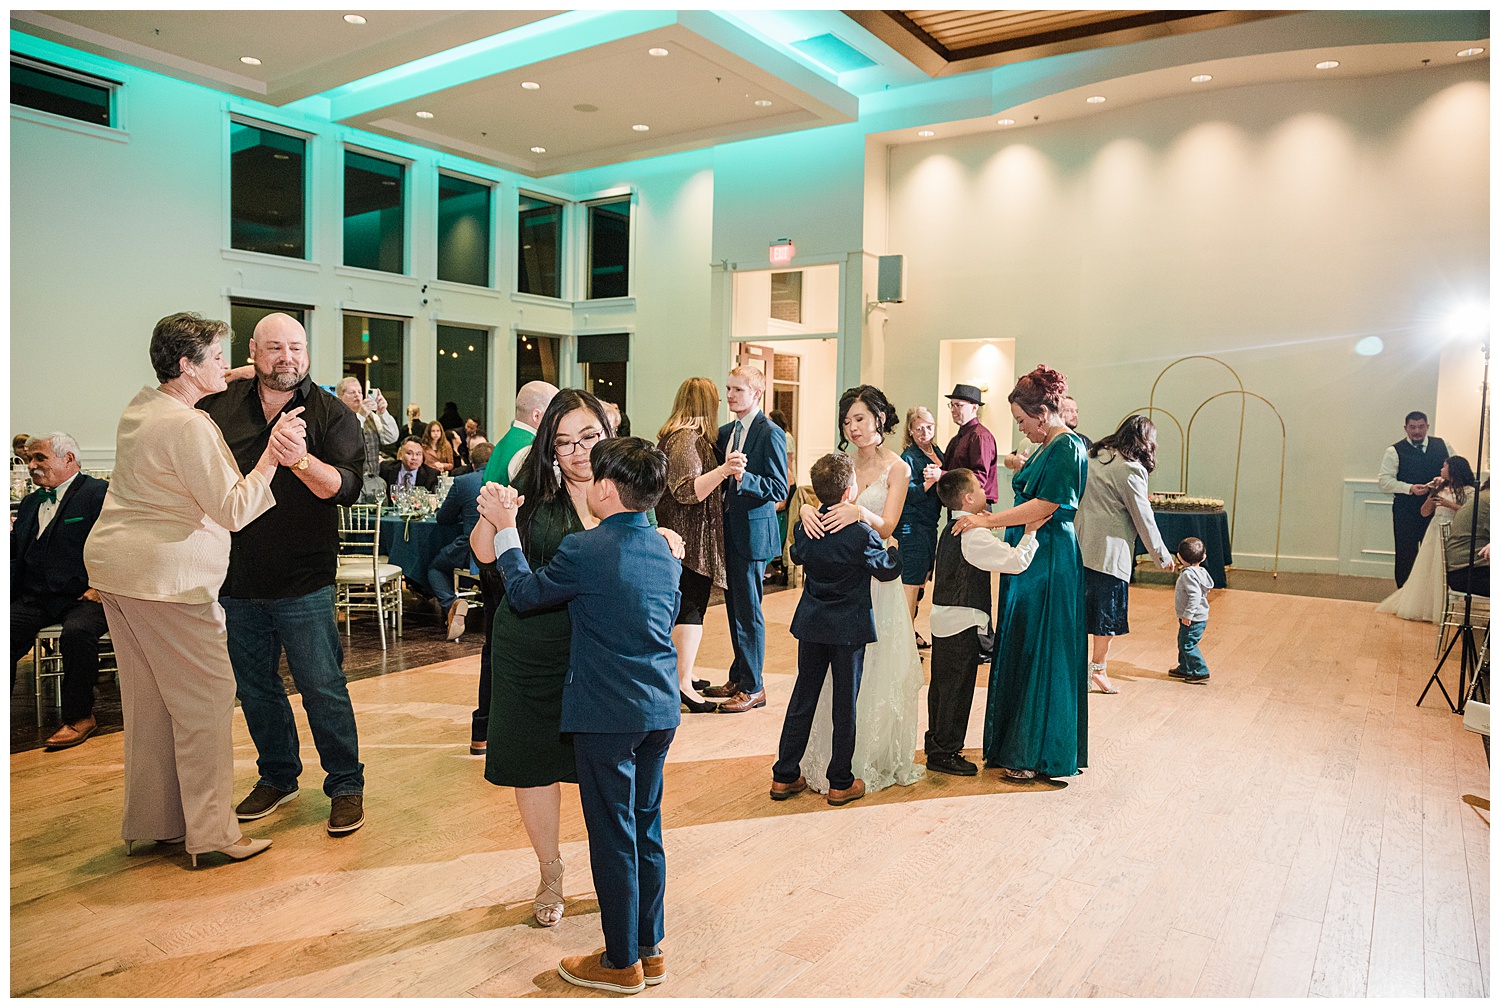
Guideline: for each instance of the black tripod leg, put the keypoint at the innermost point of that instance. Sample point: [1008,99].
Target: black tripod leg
[1436,677]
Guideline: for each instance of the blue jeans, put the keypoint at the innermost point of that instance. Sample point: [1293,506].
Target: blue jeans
[258,631]
[1189,658]
[440,574]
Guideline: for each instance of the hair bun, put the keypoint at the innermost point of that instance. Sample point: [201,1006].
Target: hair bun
[1051,384]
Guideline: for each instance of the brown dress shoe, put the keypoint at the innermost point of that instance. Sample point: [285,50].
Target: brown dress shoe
[781,792]
[586,971]
[724,692]
[71,735]
[742,702]
[843,796]
[654,968]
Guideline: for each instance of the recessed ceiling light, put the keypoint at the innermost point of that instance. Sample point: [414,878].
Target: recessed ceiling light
[1470,52]
[1095,99]
[1326,65]
[640,127]
[762,103]
[657,51]
[925,133]
[354,19]
[530,85]
[251,60]
[1202,78]
[424,115]
[1005,122]
[538,150]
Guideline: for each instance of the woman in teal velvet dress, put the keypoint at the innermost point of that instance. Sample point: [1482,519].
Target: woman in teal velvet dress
[1036,722]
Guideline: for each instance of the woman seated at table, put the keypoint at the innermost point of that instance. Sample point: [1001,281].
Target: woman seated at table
[1467,538]
[437,449]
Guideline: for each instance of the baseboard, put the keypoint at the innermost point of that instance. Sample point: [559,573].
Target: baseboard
[1292,564]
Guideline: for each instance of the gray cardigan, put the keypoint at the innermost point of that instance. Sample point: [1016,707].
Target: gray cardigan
[1114,510]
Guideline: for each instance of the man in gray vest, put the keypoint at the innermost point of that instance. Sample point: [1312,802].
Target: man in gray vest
[1407,470]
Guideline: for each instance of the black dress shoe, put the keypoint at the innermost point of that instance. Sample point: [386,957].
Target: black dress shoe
[952,763]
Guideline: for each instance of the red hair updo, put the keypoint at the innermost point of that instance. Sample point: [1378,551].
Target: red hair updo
[1041,387]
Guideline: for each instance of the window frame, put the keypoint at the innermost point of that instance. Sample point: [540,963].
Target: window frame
[408,177]
[565,243]
[584,266]
[309,167]
[115,130]
[492,277]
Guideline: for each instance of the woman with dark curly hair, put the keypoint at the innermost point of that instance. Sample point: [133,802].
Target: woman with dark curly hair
[1037,721]
[1114,511]
[885,719]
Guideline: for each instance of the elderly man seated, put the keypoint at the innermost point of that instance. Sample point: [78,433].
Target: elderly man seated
[460,506]
[48,582]
[408,470]
[376,427]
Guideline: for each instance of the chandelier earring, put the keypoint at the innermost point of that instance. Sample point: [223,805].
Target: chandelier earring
[557,472]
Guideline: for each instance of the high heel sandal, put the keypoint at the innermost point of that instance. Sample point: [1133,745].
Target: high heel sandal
[1100,679]
[239,851]
[548,914]
[696,706]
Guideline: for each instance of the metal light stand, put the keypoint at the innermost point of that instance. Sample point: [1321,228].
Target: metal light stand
[1470,661]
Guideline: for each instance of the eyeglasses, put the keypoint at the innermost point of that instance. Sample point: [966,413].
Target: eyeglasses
[562,449]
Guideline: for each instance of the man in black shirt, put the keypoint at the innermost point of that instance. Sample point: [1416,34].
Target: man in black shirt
[279,592]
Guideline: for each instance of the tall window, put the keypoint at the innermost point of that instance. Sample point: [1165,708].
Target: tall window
[375,352]
[374,213]
[266,208]
[463,358]
[63,92]
[604,359]
[537,358]
[244,315]
[539,248]
[463,231]
[609,249]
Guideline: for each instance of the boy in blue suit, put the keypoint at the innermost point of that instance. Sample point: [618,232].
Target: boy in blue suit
[833,623]
[754,448]
[620,700]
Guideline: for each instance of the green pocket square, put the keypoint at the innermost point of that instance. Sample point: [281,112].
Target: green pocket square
[67,521]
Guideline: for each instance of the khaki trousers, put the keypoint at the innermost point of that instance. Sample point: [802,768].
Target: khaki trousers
[177,692]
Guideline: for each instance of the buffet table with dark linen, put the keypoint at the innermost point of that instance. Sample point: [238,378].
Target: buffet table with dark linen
[412,544]
[1210,526]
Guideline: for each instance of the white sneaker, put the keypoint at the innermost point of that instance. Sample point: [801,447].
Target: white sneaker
[456,614]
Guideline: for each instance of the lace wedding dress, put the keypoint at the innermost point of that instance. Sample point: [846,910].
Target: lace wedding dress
[885,720]
[1425,594]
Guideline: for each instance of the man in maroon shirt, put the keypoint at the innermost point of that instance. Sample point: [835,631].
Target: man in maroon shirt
[973,447]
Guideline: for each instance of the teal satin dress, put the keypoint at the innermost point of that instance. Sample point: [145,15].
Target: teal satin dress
[1037,716]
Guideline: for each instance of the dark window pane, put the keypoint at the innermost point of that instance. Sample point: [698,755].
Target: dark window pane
[603,358]
[374,215]
[463,370]
[244,316]
[540,248]
[536,358]
[60,94]
[609,249]
[463,231]
[374,352]
[266,191]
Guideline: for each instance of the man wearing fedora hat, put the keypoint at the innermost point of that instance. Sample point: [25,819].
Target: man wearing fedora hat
[973,447]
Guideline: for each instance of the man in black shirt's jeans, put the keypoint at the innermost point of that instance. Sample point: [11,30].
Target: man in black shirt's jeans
[280,589]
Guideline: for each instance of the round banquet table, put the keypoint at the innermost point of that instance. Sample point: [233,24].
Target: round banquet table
[413,543]
[1210,526]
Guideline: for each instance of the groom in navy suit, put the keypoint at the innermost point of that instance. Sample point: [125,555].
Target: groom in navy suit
[834,622]
[755,450]
[620,700]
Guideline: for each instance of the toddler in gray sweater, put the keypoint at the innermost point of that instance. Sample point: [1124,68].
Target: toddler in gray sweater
[1193,586]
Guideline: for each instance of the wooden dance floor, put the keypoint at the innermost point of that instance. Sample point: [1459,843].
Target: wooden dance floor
[1294,827]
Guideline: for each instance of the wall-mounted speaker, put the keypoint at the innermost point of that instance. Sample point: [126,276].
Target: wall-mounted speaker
[890,283]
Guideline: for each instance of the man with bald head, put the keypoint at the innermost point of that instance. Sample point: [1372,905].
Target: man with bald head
[279,593]
[510,451]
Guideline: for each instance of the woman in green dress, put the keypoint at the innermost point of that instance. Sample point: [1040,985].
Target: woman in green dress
[1036,723]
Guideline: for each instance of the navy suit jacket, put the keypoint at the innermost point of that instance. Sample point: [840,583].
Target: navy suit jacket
[750,525]
[462,502]
[835,604]
[620,583]
[56,557]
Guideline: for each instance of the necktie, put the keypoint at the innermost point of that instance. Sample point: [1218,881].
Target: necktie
[408,477]
[45,495]
[738,431]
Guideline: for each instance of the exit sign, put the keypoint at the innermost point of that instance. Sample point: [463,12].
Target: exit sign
[782,252]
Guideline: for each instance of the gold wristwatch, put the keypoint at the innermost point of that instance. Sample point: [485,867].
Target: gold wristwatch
[302,463]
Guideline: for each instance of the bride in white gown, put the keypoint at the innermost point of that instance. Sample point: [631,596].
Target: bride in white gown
[885,720]
[1425,594]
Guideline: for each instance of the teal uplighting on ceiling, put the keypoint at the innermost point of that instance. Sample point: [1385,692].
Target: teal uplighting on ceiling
[834,53]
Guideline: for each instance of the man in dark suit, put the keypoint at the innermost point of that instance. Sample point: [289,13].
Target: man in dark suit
[833,623]
[620,701]
[755,450]
[460,507]
[48,582]
[408,470]
[1407,471]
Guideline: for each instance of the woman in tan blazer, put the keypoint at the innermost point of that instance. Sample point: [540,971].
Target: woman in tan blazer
[157,556]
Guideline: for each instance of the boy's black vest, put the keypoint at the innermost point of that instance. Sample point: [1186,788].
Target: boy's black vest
[955,581]
[1417,466]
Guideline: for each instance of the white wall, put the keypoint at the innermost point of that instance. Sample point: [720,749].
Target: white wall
[1271,226]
